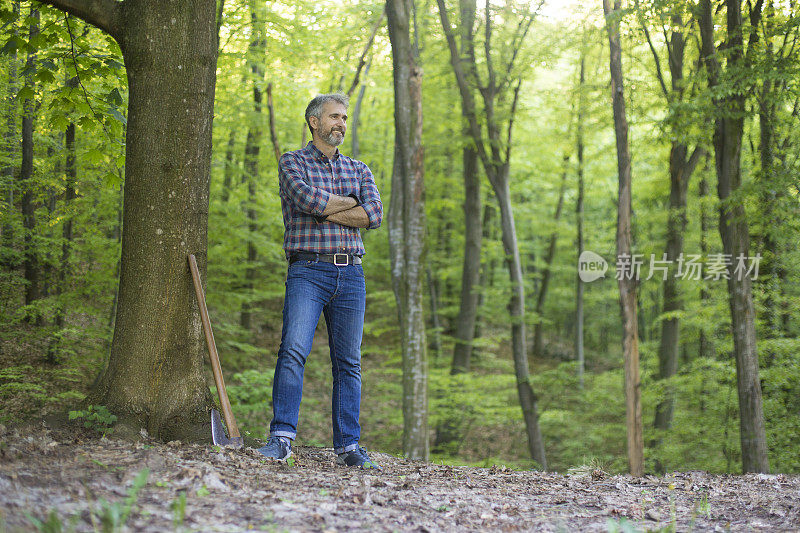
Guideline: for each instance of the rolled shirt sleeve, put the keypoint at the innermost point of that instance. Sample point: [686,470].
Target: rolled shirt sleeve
[370,197]
[304,197]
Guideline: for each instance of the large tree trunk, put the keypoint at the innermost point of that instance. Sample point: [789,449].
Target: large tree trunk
[627,282]
[734,232]
[154,378]
[407,227]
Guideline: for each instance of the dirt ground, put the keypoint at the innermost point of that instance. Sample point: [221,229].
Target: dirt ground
[84,483]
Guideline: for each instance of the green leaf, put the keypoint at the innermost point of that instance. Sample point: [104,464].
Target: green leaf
[12,45]
[45,76]
[114,112]
[114,97]
[25,93]
[111,179]
[94,156]
[87,123]
[59,122]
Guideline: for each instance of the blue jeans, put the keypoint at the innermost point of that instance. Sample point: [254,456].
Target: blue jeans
[340,294]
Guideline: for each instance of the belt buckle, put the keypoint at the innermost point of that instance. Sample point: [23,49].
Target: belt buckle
[336,260]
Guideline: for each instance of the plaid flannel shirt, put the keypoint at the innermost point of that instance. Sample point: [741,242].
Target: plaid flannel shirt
[307,178]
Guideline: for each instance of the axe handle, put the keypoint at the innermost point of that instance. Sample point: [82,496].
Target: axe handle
[227,412]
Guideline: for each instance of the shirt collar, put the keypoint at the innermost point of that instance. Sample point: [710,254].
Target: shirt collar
[317,153]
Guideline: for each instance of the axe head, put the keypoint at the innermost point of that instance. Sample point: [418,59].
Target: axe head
[218,433]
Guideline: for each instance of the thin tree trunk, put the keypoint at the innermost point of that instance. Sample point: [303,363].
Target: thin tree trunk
[626,282]
[117,234]
[407,226]
[71,173]
[538,341]
[470,271]
[527,398]
[273,134]
[495,160]
[770,96]
[579,354]
[10,145]
[227,174]
[471,266]
[355,122]
[669,342]
[486,279]
[362,61]
[734,232]
[706,347]
[681,168]
[436,342]
[27,185]
[252,153]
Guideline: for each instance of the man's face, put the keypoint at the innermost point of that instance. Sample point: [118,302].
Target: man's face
[332,124]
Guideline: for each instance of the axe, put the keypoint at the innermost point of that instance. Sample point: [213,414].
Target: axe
[217,430]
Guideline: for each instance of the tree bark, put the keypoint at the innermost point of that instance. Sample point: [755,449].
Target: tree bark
[733,229]
[154,378]
[407,227]
[627,283]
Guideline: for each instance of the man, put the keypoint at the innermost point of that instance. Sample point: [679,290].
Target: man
[325,198]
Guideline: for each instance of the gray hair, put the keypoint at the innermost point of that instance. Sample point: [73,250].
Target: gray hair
[314,108]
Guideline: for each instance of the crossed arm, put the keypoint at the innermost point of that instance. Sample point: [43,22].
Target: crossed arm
[344,210]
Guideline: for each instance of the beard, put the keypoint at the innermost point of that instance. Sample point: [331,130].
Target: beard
[334,137]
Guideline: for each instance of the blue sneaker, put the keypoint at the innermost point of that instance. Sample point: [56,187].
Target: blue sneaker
[357,457]
[279,448]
